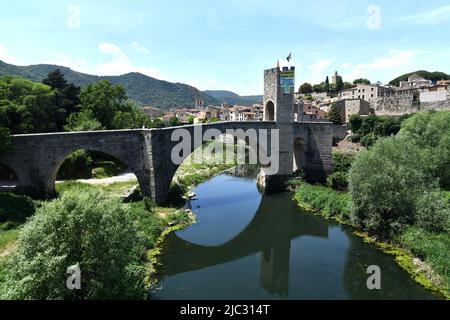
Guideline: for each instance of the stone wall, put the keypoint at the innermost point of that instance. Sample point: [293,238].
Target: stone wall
[394,106]
[397,106]
[36,158]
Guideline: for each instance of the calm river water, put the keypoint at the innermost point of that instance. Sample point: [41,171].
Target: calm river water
[252,246]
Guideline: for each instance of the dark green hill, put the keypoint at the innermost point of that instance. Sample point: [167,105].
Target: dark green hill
[433,76]
[233,98]
[140,88]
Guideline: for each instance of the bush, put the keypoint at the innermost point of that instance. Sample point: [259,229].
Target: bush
[368,140]
[384,184]
[430,132]
[84,228]
[355,122]
[432,212]
[430,247]
[321,199]
[342,161]
[77,165]
[338,181]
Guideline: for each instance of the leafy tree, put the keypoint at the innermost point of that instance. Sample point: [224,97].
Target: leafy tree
[334,115]
[306,88]
[84,228]
[355,122]
[348,85]
[430,131]
[104,100]
[158,123]
[133,119]
[338,181]
[433,76]
[396,183]
[66,98]
[5,140]
[339,85]
[361,81]
[191,120]
[319,88]
[175,122]
[28,107]
[83,121]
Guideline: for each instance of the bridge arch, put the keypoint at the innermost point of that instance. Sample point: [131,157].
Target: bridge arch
[115,154]
[8,178]
[171,168]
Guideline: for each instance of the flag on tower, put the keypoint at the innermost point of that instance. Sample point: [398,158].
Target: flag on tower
[289,58]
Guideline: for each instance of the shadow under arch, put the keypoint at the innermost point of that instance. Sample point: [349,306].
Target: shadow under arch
[275,224]
[8,178]
[97,152]
[250,150]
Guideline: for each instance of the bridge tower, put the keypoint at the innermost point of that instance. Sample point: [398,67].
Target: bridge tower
[279,85]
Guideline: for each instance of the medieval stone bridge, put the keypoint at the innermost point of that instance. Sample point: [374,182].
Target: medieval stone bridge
[36,158]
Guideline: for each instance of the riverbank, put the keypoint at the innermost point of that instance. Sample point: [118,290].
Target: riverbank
[154,223]
[423,255]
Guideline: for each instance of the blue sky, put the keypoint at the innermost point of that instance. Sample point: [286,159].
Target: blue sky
[220,44]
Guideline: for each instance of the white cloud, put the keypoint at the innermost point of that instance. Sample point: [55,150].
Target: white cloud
[140,48]
[390,64]
[5,56]
[73,21]
[121,63]
[433,16]
[318,71]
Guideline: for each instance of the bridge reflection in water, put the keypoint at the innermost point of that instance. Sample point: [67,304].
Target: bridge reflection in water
[274,226]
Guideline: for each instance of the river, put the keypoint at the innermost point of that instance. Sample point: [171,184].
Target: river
[251,246]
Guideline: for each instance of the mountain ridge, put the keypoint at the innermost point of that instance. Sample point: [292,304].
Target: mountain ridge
[141,88]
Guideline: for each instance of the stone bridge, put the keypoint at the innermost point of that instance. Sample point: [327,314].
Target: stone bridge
[36,158]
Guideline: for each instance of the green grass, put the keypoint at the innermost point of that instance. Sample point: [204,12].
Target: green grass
[14,210]
[106,169]
[433,248]
[7,238]
[330,203]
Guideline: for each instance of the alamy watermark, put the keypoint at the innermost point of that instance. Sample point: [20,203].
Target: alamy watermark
[74,280]
[374,280]
[252,147]
[374,19]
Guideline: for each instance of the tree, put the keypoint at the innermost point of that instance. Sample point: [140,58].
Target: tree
[361,81]
[191,119]
[134,119]
[66,98]
[334,115]
[389,187]
[319,88]
[355,122]
[348,85]
[82,228]
[83,121]
[55,80]
[28,106]
[104,100]
[175,122]
[327,85]
[306,88]
[339,85]
[5,140]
